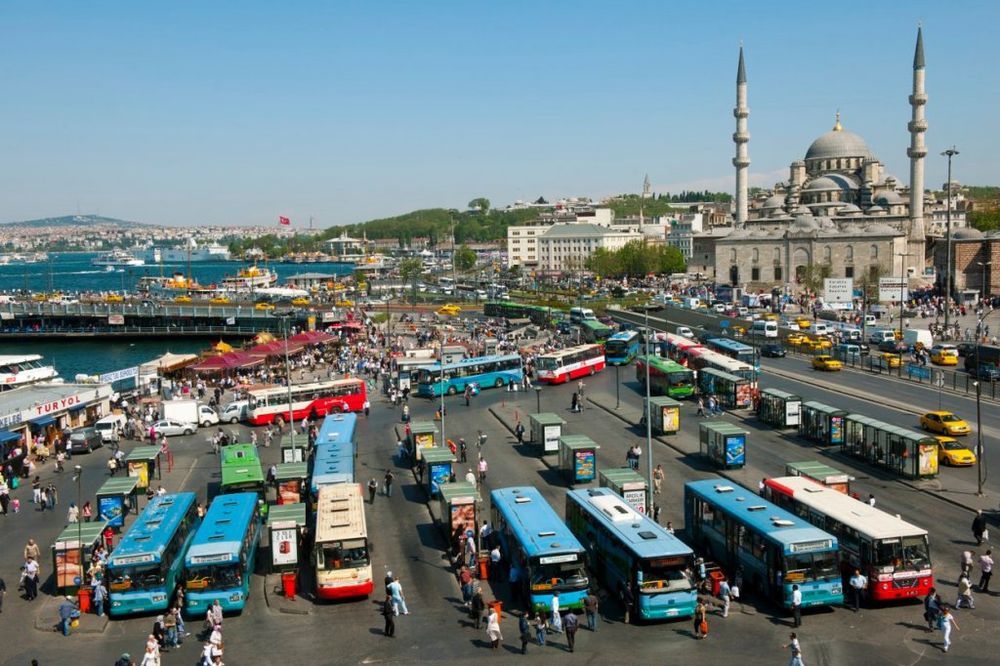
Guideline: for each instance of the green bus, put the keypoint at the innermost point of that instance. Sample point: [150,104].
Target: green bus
[594,332]
[666,377]
[241,469]
[538,314]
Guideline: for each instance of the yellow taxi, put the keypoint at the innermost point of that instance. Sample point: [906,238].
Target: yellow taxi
[219,300]
[113,298]
[953,454]
[890,360]
[182,299]
[770,316]
[818,344]
[301,301]
[803,322]
[944,355]
[824,362]
[739,331]
[40,297]
[263,306]
[449,310]
[344,303]
[944,423]
[796,339]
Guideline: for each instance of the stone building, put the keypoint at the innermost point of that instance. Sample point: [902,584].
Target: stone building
[975,262]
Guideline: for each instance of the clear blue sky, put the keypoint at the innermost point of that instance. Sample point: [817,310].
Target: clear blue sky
[189,112]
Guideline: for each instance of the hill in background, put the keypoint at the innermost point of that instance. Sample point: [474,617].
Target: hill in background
[76,221]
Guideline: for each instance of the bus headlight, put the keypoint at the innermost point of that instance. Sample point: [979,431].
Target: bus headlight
[159,597]
[235,597]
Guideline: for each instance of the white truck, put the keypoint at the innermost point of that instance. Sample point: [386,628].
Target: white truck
[914,336]
[189,411]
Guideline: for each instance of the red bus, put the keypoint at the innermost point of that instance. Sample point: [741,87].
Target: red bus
[566,364]
[893,554]
[314,400]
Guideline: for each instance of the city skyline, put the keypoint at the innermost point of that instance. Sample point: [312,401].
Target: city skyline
[236,114]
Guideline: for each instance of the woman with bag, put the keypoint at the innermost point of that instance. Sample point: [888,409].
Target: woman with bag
[700,621]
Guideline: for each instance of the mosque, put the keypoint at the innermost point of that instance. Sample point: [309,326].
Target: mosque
[839,214]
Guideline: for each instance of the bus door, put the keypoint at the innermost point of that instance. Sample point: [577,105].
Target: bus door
[774,563]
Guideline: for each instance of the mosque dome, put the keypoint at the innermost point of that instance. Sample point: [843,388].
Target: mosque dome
[888,198]
[775,201]
[805,223]
[838,142]
[968,233]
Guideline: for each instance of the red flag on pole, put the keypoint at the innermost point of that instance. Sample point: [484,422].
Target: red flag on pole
[284,220]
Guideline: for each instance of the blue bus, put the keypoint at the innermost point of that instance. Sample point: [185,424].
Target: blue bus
[334,454]
[775,548]
[221,558]
[536,541]
[484,371]
[733,349]
[622,347]
[626,548]
[146,567]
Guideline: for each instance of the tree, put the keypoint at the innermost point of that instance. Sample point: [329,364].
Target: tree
[409,271]
[480,204]
[813,276]
[464,259]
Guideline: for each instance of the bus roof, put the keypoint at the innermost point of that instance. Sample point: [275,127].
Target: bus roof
[475,360]
[640,533]
[727,343]
[624,335]
[145,541]
[240,464]
[297,388]
[843,508]
[663,364]
[569,350]
[220,537]
[595,325]
[340,513]
[774,522]
[538,529]
[337,428]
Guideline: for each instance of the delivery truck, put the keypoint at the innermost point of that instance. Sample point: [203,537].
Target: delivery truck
[189,411]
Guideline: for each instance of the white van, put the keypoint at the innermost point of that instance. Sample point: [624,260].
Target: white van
[108,427]
[821,328]
[579,315]
[765,327]
[881,335]
[235,411]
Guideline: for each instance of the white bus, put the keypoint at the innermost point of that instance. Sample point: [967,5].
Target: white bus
[564,365]
[341,554]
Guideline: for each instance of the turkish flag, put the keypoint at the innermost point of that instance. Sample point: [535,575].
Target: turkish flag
[284,220]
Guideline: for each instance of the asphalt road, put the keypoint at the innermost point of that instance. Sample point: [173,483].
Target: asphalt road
[407,542]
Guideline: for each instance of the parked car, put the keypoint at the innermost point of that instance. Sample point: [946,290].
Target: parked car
[174,428]
[772,351]
[85,440]
[685,332]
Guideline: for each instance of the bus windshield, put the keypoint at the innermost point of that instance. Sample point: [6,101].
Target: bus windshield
[136,578]
[617,346]
[343,555]
[810,566]
[680,379]
[568,575]
[665,575]
[548,363]
[215,577]
[906,554]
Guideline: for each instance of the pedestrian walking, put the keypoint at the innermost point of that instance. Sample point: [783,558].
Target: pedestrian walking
[986,567]
[628,600]
[389,613]
[931,609]
[966,561]
[519,432]
[871,500]
[700,621]
[477,607]
[557,626]
[524,630]
[30,578]
[72,513]
[795,648]
[483,468]
[979,527]
[701,406]
[372,489]
[946,621]
[571,623]
[387,482]
[590,607]
[398,598]
[88,512]
[493,629]
[99,595]
[463,450]
[797,605]
[858,583]
[725,594]
[67,609]
[657,479]
[965,593]
[541,627]
[3,593]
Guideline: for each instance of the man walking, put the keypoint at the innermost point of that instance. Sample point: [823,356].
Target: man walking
[986,566]
[979,527]
[797,605]
[571,623]
[519,432]
[398,600]
[389,613]
[372,489]
[858,583]
[524,630]
[590,606]
[66,610]
[796,650]
[387,482]
[725,593]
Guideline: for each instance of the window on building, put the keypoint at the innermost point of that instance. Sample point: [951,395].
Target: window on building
[827,254]
[732,256]
[849,271]
[849,254]
[873,252]
[756,256]
[755,273]
[777,273]
[777,255]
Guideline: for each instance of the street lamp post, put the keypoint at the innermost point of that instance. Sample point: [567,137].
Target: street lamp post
[538,400]
[618,386]
[649,425]
[79,518]
[285,318]
[951,152]
[902,292]
[979,391]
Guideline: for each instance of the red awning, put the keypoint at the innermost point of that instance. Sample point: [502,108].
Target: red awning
[230,361]
[276,348]
[311,337]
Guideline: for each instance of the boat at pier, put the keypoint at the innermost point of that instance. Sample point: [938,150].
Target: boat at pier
[22,369]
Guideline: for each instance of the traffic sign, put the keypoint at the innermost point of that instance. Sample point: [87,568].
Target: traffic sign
[724,323]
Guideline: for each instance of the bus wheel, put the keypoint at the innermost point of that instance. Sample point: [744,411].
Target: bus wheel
[335,409]
[499,382]
[592,371]
[452,390]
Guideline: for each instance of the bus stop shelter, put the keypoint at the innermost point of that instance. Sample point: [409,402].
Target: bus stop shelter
[116,498]
[909,454]
[822,423]
[424,435]
[439,461]
[142,463]
[286,525]
[457,509]
[732,392]
[779,409]
[67,551]
[626,482]
[578,458]
[545,430]
[723,443]
[822,474]
[666,414]
[290,482]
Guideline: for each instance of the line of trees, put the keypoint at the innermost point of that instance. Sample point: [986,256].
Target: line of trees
[636,259]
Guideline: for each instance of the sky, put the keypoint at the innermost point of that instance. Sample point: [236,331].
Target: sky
[218,113]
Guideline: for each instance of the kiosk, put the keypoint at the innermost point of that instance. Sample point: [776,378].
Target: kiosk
[438,461]
[666,414]
[457,507]
[117,498]
[290,482]
[904,452]
[452,354]
[578,458]
[285,525]
[142,463]
[545,431]
[723,443]
[66,553]
[732,392]
[821,474]
[424,436]
[626,482]
[294,452]
[780,409]
[822,424]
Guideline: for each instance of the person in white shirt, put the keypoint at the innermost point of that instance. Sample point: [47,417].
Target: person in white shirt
[797,605]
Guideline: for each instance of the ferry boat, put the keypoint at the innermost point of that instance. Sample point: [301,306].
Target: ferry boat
[117,258]
[23,258]
[249,279]
[21,369]
[189,251]
[175,285]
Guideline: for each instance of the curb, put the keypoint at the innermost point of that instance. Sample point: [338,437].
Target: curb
[276,605]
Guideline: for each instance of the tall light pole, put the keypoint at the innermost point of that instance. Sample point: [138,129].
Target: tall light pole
[902,290]
[979,389]
[79,518]
[538,400]
[618,386]
[285,317]
[950,153]
[649,426]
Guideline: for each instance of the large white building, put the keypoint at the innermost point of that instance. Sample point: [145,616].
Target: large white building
[566,247]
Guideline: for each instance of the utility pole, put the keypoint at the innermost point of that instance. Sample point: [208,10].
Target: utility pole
[951,152]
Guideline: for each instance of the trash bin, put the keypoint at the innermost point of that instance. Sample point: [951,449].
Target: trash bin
[716,577]
[288,584]
[484,566]
[498,607]
[85,594]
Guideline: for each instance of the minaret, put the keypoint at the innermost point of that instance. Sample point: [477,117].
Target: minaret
[741,137]
[916,152]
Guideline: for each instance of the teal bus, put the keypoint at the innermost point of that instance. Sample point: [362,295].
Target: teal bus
[622,347]
[241,469]
[483,371]
[145,568]
[666,377]
[627,549]
[776,549]
[220,561]
[594,332]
